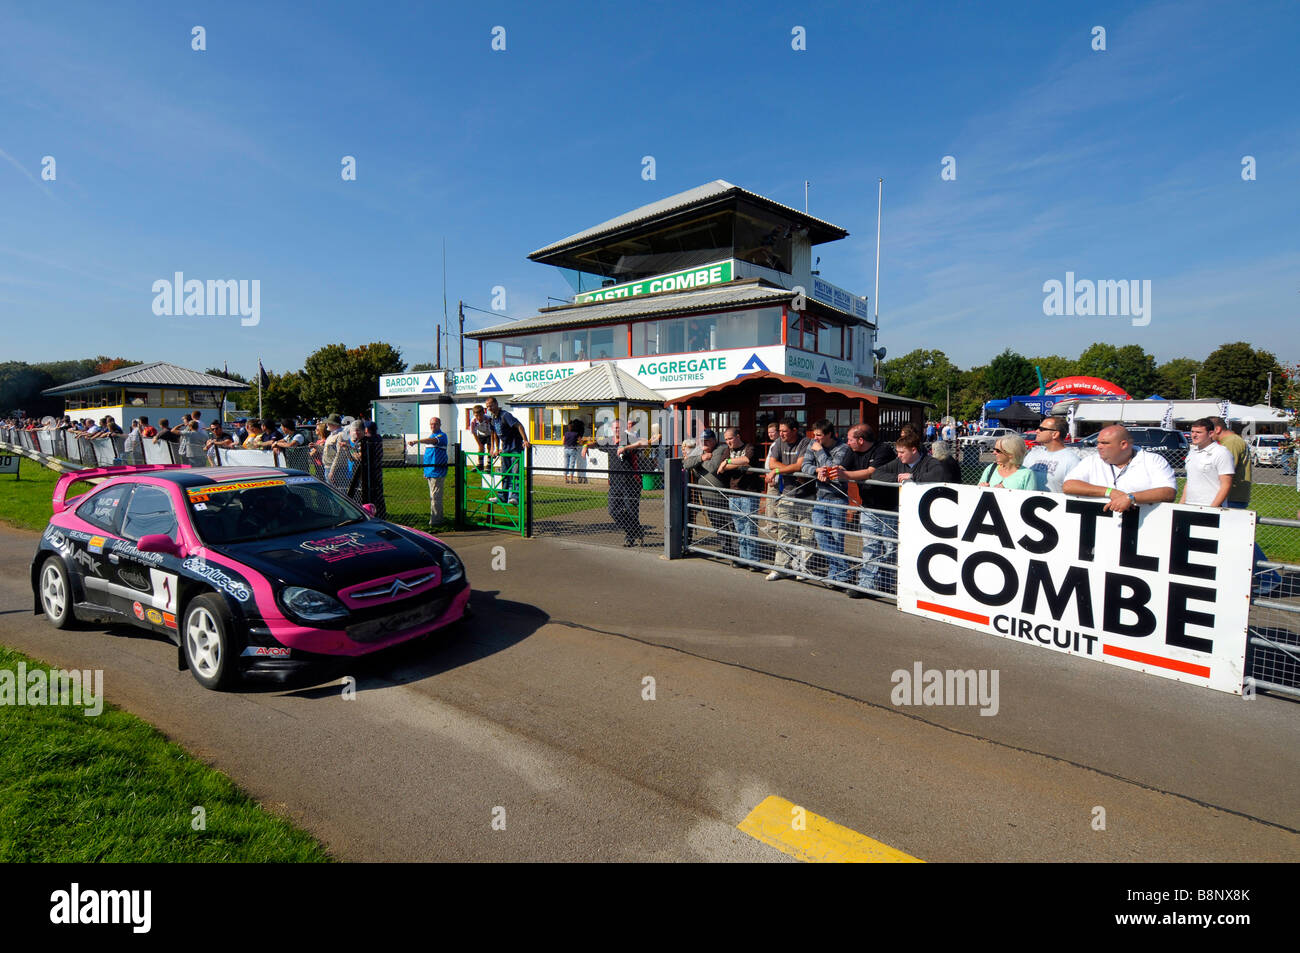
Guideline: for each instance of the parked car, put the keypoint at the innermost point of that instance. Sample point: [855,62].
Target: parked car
[1170,444]
[1269,450]
[987,438]
[249,570]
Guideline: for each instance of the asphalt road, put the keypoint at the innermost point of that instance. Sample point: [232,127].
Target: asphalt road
[536,713]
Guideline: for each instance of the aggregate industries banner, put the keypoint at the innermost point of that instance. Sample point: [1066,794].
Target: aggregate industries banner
[1163,589]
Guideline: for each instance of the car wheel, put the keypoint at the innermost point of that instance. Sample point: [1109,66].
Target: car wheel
[208,638]
[56,593]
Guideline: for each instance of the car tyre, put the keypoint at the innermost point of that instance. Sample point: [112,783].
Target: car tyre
[207,635]
[56,593]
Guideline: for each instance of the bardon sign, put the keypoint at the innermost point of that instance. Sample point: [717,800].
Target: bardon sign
[1163,589]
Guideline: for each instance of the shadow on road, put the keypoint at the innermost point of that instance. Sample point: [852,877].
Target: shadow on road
[495,624]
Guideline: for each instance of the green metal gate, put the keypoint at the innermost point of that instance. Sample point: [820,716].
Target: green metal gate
[486,485]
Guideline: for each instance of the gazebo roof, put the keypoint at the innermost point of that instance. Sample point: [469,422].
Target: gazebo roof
[604,383]
[156,374]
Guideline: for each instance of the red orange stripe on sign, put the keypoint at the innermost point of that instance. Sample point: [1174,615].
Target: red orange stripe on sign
[1159,660]
[955,613]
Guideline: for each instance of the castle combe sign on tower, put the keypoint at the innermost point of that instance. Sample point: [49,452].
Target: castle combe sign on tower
[701,277]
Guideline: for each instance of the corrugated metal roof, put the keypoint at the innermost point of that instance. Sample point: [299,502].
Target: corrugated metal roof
[748,291]
[875,396]
[603,382]
[156,374]
[699,194]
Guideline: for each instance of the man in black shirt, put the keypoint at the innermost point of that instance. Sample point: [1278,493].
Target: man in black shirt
[734,471]
[794,536]
[879,570]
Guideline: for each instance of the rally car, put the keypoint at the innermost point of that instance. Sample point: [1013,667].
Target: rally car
[247,570]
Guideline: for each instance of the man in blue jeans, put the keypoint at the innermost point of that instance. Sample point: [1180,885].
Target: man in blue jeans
[733,471]
[435,469]
[511,438]
[824,454]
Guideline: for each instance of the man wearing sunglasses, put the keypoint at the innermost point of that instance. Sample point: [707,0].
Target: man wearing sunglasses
[1051,459]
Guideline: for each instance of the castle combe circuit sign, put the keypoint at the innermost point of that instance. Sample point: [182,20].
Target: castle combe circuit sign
[1163,589]
[685,280]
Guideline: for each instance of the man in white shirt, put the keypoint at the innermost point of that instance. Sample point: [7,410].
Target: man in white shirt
[1124,475]
[1209,468]
[1051,459]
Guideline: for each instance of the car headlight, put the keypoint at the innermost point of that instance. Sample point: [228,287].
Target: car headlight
[452,567]
[312,605]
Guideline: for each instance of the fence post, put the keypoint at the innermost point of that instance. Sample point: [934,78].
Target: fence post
[526,498]
[458,484]
[674,507]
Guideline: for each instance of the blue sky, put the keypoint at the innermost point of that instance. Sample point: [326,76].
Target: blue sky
[225,163]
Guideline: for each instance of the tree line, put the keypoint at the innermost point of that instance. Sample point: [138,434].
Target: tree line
[334,378]
[1237,372]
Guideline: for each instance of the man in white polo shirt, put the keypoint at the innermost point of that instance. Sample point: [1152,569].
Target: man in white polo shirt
[1124,475]
[1209,468]
[1051,460]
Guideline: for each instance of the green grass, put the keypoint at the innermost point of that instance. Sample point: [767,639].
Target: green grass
[78,789]
[25,499]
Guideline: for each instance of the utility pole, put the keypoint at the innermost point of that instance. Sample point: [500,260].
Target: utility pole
[460,308]
[805,196]
[1193,387]
[1269,399]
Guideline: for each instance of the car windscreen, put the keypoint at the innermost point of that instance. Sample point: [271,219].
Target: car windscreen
[1158,438]
[249,510]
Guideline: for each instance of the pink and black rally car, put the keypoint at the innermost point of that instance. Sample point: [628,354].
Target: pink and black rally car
[254,570]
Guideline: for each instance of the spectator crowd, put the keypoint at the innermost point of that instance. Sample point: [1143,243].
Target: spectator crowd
[812,487]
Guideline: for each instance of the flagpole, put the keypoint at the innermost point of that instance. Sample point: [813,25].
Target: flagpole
[259,386]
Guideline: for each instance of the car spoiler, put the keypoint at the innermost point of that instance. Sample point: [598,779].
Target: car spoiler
[65,481]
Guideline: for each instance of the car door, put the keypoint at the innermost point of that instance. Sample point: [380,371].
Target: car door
[88,551]
[148,582]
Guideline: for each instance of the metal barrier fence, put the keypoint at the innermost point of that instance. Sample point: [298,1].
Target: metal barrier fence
[1273,645]
[854,548]
[604,498]
[842,545]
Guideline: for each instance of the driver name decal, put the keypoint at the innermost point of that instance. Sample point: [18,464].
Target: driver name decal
[344,546]
[201,567]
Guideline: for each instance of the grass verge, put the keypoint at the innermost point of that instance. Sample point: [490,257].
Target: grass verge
[110,788]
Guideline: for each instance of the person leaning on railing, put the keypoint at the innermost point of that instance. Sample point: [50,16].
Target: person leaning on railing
[1008,469]
[1123,474]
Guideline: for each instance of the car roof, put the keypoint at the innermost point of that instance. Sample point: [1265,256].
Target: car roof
[206,476]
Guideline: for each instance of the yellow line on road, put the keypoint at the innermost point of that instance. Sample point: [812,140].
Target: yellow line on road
[812,838]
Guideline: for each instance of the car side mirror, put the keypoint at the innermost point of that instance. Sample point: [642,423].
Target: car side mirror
[369,508]
[158,543]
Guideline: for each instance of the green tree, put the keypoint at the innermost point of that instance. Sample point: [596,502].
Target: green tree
[20,389]
[1054,366]
[345,381]
[1130,367]
[245,400]
[1137,371]
[424,366]
[1174,378]
[284,396]
[921,374]
[972,393]
[1239,373]
[1010,374]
